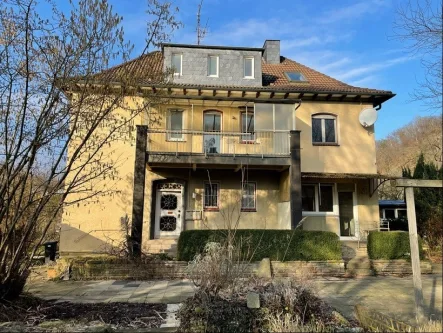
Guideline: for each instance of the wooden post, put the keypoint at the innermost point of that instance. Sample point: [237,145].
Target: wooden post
[415,255]
[409,185]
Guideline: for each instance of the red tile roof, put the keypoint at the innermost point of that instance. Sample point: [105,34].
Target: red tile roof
[147,70]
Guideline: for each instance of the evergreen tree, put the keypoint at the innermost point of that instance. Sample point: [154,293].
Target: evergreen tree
[428,201]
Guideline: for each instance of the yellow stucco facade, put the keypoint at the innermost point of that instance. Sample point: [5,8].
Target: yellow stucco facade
[97,224]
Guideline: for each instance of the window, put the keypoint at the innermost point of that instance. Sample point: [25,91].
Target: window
[249,67]
[175,125]
[177,64]
[248,199]
[295,77]
[402,213]
[317,197]
[324,129]
[211,196]
[247,125]
[213,66]
[389,214]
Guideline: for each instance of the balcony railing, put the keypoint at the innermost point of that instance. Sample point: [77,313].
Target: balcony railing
[261,143]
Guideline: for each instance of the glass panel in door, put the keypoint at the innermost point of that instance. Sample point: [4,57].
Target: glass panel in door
[212,129]
[346,211]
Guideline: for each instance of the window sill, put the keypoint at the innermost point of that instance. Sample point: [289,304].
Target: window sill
[212,75]
[211,209]
[175,140]
[248,209]
[333,144]
[249,77]
[320,214]
[248,142]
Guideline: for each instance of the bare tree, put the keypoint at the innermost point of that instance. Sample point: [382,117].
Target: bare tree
[419,23]
[163,23]
[57,116]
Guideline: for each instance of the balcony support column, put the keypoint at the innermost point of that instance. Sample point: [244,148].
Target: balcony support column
[138,197]
[295,179]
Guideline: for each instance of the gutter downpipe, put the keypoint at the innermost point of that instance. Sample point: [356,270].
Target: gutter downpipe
[293,117]
[378,107]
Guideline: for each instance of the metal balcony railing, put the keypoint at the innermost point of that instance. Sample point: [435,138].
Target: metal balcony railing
[264,143]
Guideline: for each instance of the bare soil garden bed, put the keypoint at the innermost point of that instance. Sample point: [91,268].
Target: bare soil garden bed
[29,313]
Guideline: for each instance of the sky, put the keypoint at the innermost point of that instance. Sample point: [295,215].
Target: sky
[350,40]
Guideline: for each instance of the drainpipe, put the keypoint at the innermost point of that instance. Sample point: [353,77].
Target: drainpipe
[378,107]
[293,117]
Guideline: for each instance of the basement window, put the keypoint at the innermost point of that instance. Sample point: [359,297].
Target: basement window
[295,77]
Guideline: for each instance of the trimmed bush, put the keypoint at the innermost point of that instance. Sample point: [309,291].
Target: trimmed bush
[390,245]
[256,244]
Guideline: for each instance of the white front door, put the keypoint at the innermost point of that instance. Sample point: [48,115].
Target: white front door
[169,213]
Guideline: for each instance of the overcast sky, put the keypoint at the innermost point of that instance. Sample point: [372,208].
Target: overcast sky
[350,40]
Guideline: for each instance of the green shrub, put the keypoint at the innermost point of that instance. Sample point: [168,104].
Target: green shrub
[256,244]
[390,245]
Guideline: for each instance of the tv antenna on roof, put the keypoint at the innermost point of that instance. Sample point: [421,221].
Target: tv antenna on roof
[368,117]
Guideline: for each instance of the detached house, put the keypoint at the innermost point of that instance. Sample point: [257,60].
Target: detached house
[245,137]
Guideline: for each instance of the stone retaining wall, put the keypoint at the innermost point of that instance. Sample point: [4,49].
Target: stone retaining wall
[123,270]
[315,268]
[97,269]
[398,267]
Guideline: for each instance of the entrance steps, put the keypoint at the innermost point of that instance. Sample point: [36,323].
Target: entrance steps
[356,259]
[163,245]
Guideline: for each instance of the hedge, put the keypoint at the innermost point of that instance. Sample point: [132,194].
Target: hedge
[390,245]
[256,244]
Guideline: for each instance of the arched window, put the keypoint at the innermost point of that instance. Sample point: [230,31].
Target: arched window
[324,129]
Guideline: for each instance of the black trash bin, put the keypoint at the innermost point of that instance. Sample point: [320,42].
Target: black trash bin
[50,251]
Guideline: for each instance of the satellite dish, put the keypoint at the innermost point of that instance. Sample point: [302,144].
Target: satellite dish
[368,117]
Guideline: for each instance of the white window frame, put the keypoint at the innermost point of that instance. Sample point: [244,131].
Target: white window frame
[244,67]
[395,212]
[322,117]
[211,208]
[249,209]
[169,127]
[217,66]
[317,212]
[180,73]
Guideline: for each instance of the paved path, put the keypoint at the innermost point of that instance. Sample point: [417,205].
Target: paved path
[392,296]
[389,295]
[169,292]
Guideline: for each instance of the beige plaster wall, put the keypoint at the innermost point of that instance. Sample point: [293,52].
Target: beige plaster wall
[322,223]
[356,150]
[95,224]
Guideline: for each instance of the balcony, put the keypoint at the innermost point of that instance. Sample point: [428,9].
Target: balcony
[185,146]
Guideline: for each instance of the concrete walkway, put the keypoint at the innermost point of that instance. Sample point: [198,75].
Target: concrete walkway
[169,292]
[389,295]
[392,296]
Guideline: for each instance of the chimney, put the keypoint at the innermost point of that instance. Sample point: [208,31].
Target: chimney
[272,51]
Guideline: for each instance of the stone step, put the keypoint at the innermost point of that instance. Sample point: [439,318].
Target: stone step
[360,272]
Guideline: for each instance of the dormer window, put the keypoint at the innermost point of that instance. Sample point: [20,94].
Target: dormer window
[295,77]
[248,67]
[213,66]
[177,60]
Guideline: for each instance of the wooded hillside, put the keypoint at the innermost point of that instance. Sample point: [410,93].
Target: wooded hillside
[402,148]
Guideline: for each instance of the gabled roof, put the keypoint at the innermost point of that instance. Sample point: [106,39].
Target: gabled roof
[274,76]
[147,70]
